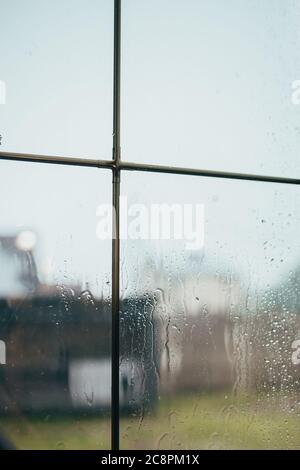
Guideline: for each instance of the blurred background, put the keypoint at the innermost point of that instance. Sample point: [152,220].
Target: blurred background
[208,354]
[208,337]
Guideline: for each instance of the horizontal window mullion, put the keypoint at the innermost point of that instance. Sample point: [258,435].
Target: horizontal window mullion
[202,172]
[130,166]
[59,160]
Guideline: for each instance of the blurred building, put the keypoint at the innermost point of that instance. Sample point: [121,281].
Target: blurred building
[58,342]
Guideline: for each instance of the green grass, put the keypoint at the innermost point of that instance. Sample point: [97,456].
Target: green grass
[213,421]
[57,432]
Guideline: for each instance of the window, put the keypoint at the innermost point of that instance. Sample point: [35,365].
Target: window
[216,339]
[219,77]
[57,62]
[112,332]
[55,307]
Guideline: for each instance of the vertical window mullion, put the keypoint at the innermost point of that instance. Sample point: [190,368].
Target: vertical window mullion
[115,398]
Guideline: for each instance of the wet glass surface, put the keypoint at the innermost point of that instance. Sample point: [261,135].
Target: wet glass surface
[55,308]
[212,84]
[56,66]
[215,339]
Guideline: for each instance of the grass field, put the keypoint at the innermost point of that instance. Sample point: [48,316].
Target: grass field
[214,421]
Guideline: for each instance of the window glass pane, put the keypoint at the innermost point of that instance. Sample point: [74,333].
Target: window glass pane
[55,308]
[56,68]
[210,326]
[209,84]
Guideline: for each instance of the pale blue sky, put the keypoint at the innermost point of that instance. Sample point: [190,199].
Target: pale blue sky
[204,84]
[56,60]
[208,84]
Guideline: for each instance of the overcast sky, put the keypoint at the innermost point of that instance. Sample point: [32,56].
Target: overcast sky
[204,84]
